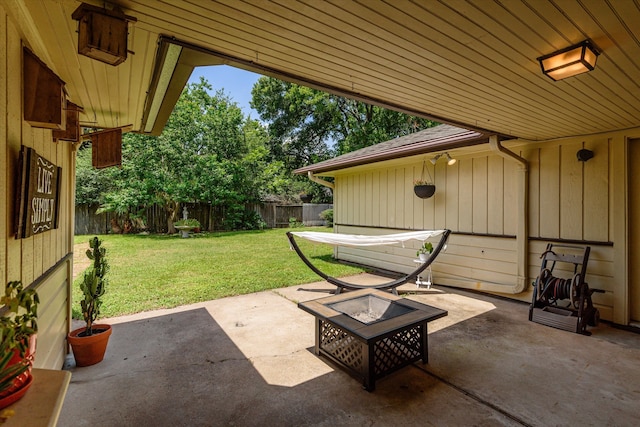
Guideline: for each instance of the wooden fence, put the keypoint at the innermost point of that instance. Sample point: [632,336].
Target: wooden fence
[211,218]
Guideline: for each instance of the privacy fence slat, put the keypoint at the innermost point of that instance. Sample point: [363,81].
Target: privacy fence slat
[211,217]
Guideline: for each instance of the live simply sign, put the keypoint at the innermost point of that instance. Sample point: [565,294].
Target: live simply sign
[38,205]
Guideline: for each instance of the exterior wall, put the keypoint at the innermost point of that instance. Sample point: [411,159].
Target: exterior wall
[42,261]
[569,202]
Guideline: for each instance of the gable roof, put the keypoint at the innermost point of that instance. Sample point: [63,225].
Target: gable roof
[441,137]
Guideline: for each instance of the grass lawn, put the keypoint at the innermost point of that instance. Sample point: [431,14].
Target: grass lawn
[159,271]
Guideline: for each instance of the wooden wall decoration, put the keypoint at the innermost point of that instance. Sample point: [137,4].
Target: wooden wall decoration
[72,132]
[43,93]
[38,206]
[106,148]
[102,33]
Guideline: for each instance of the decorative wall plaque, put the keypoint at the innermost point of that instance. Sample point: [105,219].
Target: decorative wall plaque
[38,196]
[43,94]
[72,132]
[106,148]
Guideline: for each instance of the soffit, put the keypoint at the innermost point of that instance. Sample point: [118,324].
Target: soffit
[470,63]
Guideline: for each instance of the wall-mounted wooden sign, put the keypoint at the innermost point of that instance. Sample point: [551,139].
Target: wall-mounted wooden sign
[106,148]
[38,196]
[72,133]
[102,33]
[43,94]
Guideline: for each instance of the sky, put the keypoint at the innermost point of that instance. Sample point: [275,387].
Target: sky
[237,84]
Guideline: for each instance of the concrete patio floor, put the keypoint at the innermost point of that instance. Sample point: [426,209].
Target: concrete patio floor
[248,361]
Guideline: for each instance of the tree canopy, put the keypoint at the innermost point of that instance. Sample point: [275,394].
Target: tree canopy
[308,125]
[208,152]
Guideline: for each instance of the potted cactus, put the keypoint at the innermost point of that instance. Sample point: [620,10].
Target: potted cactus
[89,343]
[17,341]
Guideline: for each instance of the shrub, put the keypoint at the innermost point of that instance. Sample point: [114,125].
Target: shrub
[327,215]
[239,218]
[294,223]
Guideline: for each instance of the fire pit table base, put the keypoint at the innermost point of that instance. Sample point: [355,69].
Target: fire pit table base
[371,333]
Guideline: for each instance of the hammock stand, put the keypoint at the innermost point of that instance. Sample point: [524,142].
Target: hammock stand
[391,286]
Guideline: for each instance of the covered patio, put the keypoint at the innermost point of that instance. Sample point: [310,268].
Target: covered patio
[248,360]
[474,65]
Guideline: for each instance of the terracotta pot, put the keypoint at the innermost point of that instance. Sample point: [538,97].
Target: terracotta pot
[89,350]
[22,382]
[7,398]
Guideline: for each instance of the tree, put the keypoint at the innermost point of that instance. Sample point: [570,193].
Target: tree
[301,120]
[207,152]
[307,125]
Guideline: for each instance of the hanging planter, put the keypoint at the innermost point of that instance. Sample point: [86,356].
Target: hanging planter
[424,191]
[423,188]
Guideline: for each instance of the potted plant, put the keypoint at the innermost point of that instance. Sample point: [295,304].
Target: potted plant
[423,189]
[187,225]
[424,251]
[89,343]
[306,198]
[18,341]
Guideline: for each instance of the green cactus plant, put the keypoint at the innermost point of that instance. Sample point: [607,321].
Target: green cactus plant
[94,284]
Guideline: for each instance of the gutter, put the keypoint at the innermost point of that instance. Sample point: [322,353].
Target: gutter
[522,233]
[320,181]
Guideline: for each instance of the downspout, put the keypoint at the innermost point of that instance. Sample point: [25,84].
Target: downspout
[522,232]
[320,181]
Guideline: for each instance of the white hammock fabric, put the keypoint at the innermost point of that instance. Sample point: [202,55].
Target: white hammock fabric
[362,240]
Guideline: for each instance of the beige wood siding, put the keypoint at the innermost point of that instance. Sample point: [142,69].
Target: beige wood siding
[569,199]
[570,202]
[472,196]
[41,259]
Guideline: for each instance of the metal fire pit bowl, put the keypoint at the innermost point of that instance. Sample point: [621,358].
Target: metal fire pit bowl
[371,333]
[370,309]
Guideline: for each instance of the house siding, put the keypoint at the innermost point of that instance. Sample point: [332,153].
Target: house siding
[41,261]
[569,201]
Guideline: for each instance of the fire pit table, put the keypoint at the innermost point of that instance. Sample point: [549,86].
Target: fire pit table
[371,333]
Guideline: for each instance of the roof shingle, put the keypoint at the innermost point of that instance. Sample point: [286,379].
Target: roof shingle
[441,137]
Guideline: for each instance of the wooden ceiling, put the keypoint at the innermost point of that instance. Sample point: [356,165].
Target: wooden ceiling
[470,63]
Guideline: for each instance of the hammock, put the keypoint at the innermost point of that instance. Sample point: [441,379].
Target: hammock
[361,240]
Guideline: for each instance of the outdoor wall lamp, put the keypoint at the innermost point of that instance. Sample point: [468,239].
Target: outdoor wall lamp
[570,61]
[450,160]
[584,155]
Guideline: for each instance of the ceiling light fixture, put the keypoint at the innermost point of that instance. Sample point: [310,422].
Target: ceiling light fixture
[571,61]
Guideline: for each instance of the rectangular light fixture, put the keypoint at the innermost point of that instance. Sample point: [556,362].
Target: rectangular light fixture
[571,61]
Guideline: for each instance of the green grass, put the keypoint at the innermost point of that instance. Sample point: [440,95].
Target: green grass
[158,271]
